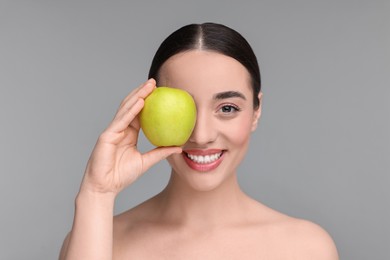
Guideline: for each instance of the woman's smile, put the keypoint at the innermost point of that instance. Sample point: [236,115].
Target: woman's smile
[203,160]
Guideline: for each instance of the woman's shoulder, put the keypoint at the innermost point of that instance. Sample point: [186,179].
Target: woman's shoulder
[309,239]
[300,237]
[135,215]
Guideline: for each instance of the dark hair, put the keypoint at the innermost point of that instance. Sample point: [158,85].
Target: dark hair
[211,37]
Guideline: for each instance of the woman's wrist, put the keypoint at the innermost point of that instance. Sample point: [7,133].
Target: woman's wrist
[90,198]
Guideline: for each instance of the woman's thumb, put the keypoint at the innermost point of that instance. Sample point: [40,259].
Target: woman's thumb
[154,156]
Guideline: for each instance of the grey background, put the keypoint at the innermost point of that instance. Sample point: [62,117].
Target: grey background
[321,151]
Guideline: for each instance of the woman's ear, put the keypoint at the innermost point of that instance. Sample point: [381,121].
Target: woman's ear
[257,113]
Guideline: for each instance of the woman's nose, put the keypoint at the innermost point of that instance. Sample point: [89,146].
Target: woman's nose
[204,131]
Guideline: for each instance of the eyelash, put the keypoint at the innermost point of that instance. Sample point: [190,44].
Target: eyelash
[231,107]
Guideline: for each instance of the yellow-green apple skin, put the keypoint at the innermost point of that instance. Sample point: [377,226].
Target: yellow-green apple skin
[168,116]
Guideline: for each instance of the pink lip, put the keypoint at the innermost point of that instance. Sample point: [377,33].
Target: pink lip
[203,167]
[202,152]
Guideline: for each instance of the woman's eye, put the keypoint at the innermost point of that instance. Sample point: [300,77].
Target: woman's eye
[229,109]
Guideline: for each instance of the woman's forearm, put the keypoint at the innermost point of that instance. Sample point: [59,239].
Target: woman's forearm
[92,232]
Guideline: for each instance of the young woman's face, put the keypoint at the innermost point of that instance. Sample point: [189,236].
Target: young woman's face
[221,88]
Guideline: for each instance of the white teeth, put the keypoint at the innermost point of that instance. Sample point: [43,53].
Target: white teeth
[204,159]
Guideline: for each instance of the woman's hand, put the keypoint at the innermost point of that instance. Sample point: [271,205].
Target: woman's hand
[115,161]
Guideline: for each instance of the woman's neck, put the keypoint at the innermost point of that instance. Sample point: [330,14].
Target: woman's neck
[181,204]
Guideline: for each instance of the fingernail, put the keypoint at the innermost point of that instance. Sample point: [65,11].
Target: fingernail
[148,83]
[150,80]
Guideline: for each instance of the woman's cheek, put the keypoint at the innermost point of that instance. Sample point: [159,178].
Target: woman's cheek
[238,131]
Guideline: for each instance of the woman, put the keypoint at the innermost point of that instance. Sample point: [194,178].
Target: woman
[202,213]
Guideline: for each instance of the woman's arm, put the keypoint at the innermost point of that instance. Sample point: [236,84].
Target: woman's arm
[114,164]
[91,235]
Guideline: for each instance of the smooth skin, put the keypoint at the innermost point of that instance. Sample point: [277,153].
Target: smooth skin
[202,213]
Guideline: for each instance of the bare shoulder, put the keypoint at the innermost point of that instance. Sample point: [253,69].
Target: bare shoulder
[286,237]
[313,241]
[131,224]
[306,240]
[126,220]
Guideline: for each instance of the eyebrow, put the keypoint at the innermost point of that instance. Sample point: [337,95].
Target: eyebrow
[229,94]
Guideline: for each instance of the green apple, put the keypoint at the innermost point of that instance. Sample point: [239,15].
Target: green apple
[168,116]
